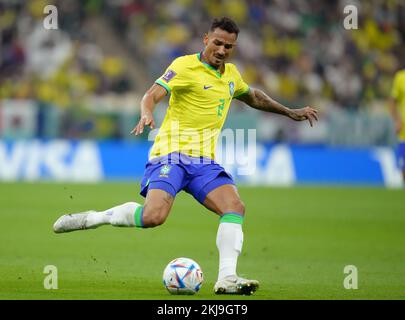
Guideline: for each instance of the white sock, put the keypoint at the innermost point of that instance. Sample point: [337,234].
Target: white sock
[229,243]
[119,216]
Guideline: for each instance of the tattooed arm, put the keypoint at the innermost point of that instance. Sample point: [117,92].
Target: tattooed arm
[257,99]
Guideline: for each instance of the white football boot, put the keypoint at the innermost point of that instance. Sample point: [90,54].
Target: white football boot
[236,285]
[71,222]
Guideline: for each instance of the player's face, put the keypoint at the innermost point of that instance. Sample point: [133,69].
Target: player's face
[219,45]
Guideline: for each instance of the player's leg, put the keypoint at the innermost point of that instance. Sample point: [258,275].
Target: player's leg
[157,207]
[120,215]
[159,186]
[216,190]
[130,214]
[226,202]
[223,199]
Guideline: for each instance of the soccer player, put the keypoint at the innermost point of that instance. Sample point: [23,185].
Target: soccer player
[397,106]
[202,87]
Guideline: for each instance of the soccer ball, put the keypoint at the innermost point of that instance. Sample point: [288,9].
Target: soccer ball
[182,276]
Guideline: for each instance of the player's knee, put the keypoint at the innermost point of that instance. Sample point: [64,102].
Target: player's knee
[154,216]
[240,207]
[235,205]
[154,221]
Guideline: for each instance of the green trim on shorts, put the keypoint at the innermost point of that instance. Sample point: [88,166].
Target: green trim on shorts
[231,218]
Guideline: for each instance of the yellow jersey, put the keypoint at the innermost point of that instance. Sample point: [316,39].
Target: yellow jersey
[199,102]
[398,93]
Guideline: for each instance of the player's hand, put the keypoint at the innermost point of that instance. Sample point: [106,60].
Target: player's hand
[307,113]
[146,120]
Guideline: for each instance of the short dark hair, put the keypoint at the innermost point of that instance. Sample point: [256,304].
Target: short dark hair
[226,24]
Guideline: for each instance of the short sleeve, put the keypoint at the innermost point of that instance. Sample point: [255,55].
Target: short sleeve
[241,87]
[175,77]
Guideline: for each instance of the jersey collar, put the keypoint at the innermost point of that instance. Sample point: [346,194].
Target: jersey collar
[208,66]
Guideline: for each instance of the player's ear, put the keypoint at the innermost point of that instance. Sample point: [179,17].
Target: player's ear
[205,39]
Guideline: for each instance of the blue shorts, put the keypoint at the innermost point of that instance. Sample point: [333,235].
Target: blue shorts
[197,176]
[401,155]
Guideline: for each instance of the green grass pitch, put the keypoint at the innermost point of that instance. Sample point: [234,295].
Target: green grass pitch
[297,243]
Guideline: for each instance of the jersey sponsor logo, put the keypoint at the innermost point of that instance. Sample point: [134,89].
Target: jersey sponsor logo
[207,87]
[231,88]
[169,75]
[164,172]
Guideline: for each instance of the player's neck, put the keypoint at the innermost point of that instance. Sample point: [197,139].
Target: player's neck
[220,69]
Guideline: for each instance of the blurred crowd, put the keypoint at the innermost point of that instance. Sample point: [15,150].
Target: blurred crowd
[62,66]
[297,51]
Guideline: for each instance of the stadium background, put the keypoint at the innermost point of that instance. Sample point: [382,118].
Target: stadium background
[85,81]
[69,98]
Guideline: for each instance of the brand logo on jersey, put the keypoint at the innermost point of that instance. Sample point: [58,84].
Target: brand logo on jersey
[207,87]
[169,75]
[164,172]
[231,88]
